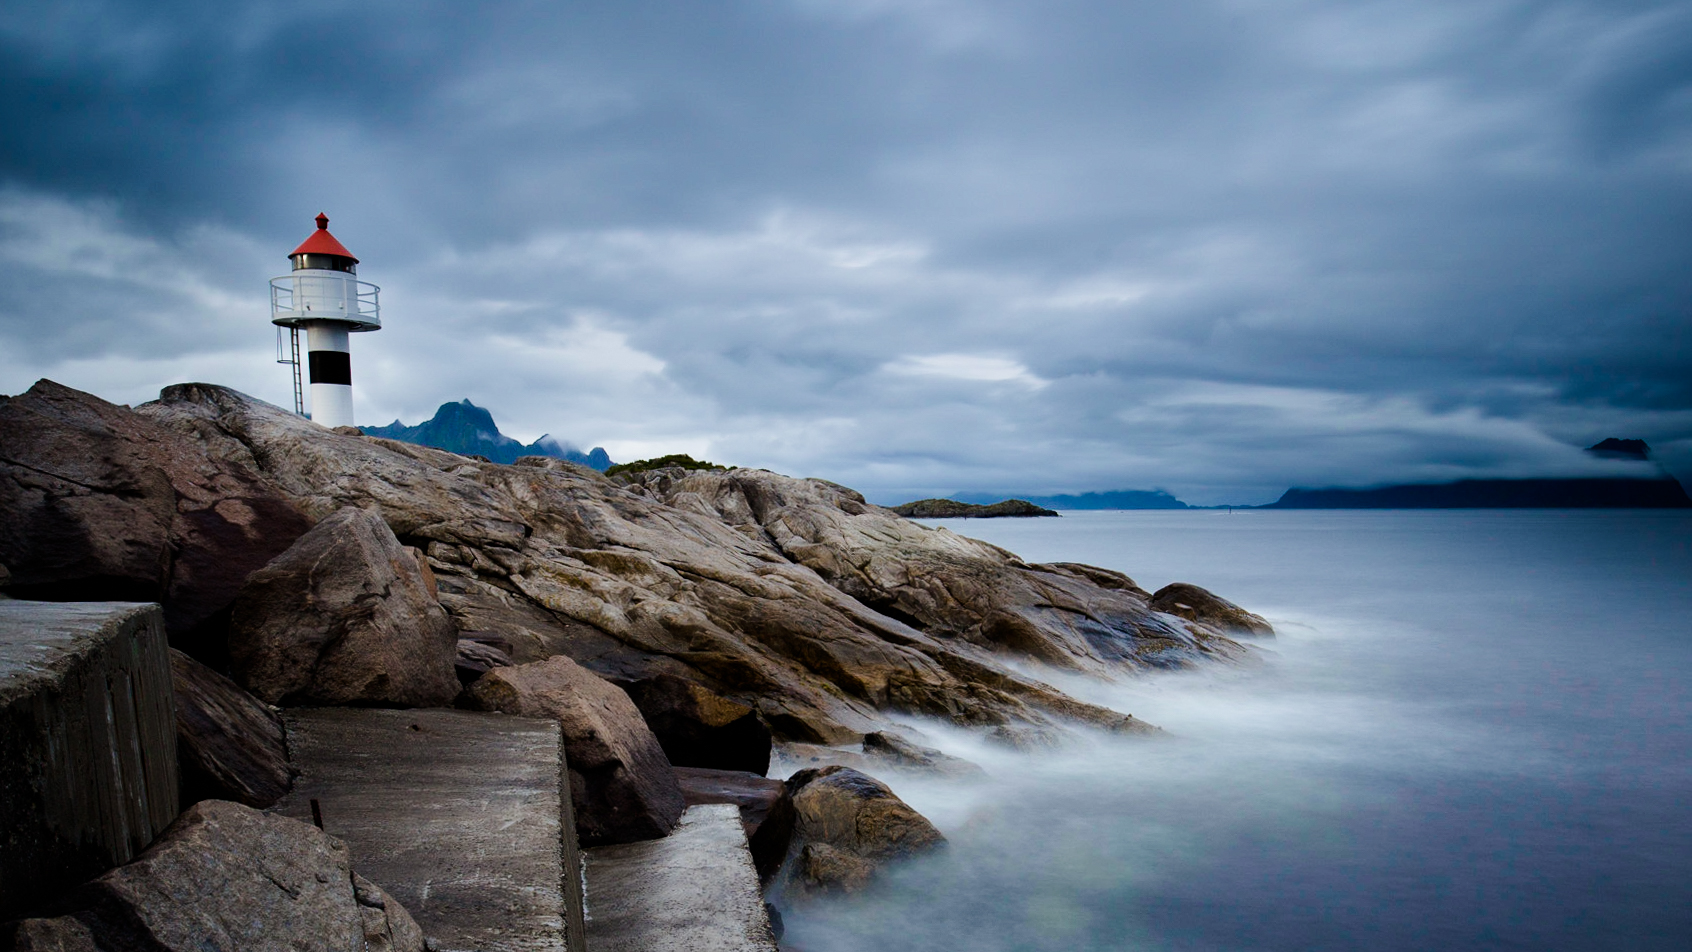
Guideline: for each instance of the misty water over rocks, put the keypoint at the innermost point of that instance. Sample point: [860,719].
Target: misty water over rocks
[1474,732]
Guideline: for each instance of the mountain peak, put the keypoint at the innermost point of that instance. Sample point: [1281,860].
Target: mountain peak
[1613,448]
[467,429]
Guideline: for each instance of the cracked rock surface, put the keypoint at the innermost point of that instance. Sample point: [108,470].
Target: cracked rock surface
[794,596]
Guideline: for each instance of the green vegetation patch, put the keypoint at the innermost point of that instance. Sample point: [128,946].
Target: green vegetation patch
[663,462]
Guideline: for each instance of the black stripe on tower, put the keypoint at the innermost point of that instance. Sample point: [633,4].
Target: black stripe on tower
[331,366]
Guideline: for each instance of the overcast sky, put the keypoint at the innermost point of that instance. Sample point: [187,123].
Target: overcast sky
[913,246]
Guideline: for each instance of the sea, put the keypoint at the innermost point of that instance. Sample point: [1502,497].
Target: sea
[1472,731]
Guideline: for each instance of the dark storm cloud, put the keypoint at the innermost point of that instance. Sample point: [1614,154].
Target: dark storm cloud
[922,246]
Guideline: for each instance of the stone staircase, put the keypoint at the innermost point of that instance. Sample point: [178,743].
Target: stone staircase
[463,817]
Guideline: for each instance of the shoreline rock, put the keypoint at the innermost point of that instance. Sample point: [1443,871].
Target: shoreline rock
[344,616]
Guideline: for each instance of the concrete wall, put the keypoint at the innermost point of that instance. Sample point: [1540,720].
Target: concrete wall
[88,770]
[462,816]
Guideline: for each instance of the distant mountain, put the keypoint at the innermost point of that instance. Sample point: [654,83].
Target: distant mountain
[1118,499]
[1664,492]
[468,429]
[1612,448]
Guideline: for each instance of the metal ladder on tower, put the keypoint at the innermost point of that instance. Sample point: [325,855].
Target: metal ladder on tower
[291,355]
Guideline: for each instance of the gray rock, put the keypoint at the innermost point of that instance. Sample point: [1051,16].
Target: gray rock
[621,784]
[343,617]
[64,934]
[851,825]
[1026,739]
[98,503]
[1197,605]
[225,876]
[699,728]
[229,744]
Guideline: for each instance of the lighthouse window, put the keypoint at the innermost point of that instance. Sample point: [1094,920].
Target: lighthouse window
[324,263]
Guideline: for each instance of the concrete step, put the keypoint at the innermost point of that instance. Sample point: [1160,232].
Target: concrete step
[88,772]
[692,891]
[463,817]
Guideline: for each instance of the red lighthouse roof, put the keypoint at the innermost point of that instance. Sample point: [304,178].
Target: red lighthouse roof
[322,243]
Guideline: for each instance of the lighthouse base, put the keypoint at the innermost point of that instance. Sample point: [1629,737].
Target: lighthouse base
[330,365]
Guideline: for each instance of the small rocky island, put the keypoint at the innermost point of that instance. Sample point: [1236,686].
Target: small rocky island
[953,509]
[252,672]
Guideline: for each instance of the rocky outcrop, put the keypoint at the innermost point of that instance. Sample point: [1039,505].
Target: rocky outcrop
[229,745]
[847,825]
[1197,605]
[698,728]
[98,503]
[622,787]
[225,876]
[792,596]
[343,617]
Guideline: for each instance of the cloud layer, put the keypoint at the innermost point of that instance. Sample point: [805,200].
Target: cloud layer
[1219,248]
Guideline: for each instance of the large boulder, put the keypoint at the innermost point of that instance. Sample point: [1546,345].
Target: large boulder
[229,744]
[225,876]
[698,728]
[622,786]
[1197,605]
[847,825]
[99,503]
[343,617]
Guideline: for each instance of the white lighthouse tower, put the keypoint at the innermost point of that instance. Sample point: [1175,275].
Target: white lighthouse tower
[324,297]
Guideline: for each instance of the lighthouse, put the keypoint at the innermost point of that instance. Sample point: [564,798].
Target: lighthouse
[324,297]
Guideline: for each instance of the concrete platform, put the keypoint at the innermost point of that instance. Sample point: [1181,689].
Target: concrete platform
[692,891]
[88,772]
[463,817]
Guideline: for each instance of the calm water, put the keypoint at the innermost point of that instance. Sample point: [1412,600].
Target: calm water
[1474,732]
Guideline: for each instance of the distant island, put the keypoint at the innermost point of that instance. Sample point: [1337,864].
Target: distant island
[1114,499]
[469,430]
[1647,492]
[1662,493]
[954,509]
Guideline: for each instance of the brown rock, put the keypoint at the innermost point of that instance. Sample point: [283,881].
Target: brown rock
[342,617]
[795,596]
[1196,604]
[428,573]
[857,815]
[476,659]
[387,926]
[755,794]
[229,745]
[98,503]
[621,785]
[225,876]
[825,868]
[698,728]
